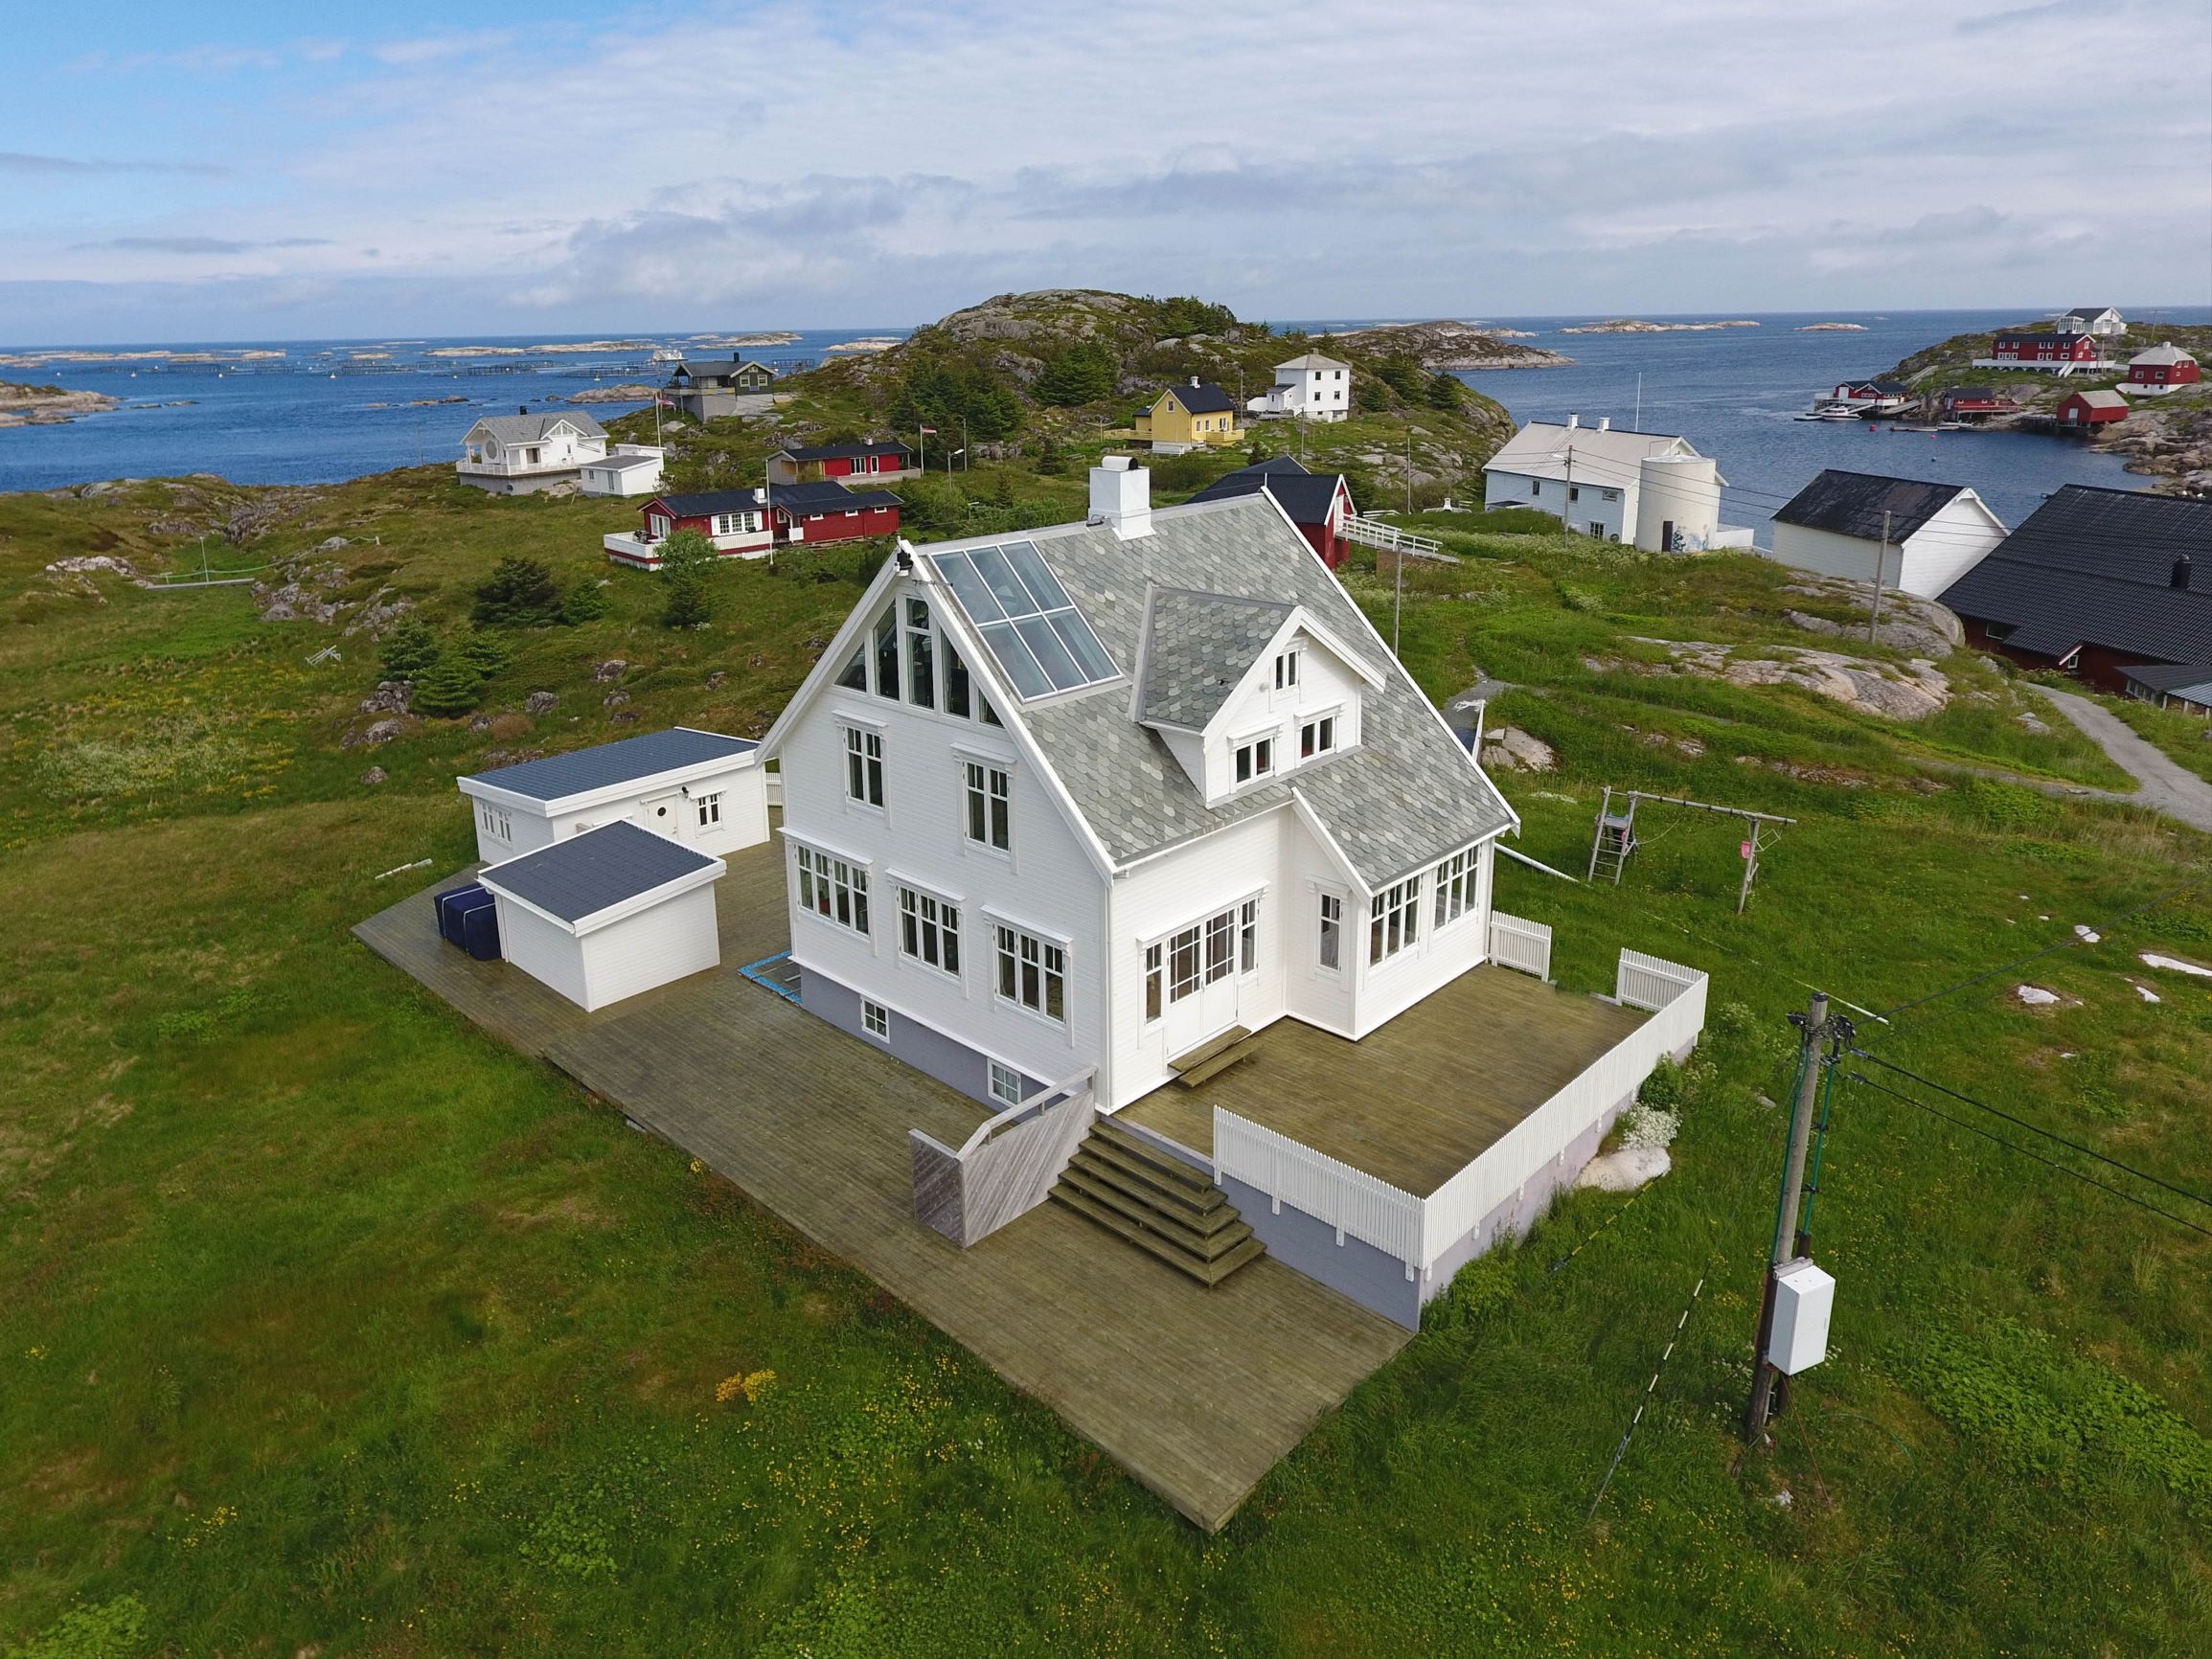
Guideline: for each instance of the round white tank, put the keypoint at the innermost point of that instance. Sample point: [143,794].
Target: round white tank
[1678,498]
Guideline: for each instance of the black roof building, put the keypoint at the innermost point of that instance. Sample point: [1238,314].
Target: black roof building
[596,870]
[609,765]
[706,503]
[1852,503]
[2120,570]
[808,500]
[1204,397]
[1305,496]
[845,451]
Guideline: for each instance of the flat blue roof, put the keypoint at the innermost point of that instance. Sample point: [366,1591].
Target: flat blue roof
[632,761]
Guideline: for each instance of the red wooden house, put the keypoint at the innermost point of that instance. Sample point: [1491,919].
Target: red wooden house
[871,462]
[1317,503]
[2161,369]
[2060,348]
[829,511]
[1976,404]
[2092,409]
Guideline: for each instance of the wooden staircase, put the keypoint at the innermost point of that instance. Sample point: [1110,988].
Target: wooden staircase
[1214,1057]
[1157,1202]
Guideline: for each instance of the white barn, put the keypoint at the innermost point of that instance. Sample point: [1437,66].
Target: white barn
[626,469]
[1651,488]
[609,913]
[1937,531]
[516,454]
[1309,387]
[1092,797]
[701,788]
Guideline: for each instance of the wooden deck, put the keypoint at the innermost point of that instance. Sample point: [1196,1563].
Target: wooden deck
[1417,1101]
[1197,1394]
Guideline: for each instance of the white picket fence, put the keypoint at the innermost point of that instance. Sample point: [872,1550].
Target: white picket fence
[1419,1230]
[1355,1203]
[1517,943]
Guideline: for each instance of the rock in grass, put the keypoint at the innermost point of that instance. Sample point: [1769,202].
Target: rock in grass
[373,776]
[541,703]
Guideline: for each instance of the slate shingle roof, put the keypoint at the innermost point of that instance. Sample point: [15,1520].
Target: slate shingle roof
[1852,503]
[1305,496]
[596,870]
[1405,797]
[1198,646]
[2096,567]
[558,776]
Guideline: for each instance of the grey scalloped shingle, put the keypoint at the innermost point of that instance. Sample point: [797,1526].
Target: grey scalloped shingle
[1200,646]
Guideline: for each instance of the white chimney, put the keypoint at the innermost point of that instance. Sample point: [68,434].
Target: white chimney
[1121,496]
[1194,379]
[1573,421]
[1604,422]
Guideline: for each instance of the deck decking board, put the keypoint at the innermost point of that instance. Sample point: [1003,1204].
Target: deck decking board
[1196,1393]
[1416,1101]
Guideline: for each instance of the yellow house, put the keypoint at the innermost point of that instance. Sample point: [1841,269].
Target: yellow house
[1185,417]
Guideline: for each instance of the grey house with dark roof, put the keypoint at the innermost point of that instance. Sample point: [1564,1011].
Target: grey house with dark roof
[1925,537]
[2096,582]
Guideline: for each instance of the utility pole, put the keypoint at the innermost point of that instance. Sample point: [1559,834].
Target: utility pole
[1397,600]
[1639,426]
[1567,501]
[1785,1237]
[1880,558]
[1409,480]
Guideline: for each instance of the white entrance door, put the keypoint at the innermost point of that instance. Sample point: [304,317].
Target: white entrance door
[664,814]
[1203,979]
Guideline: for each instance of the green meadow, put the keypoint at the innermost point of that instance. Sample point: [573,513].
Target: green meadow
[329,1325]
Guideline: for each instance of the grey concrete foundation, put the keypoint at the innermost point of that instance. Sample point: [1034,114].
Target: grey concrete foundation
[930,1052]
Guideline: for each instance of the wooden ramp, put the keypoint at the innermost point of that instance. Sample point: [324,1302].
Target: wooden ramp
[1197,1392]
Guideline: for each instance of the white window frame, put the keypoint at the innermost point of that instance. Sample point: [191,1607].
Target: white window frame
[1457,881]
[928,911]
[1328,913]
[1245,755]
[710,806]
[497,821]
[1287,669]
[1008,942]
[863,765]
[1004,1083]
[832,889]
[876,1020]
[1313,723]
[996,806]
[1393,921]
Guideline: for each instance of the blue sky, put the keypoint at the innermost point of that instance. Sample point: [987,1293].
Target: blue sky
[240,169]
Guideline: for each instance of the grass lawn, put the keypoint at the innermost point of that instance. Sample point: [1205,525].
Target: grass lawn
[331,1324]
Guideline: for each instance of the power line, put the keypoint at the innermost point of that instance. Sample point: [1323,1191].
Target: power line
[2049,950]
[1973,1130]
[2033,1128]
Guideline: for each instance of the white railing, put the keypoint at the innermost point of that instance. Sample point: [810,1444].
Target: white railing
[1517,943]
[1373,532]
[1354,1202]
[1420,1231]
[1651,982]
[1006,1168]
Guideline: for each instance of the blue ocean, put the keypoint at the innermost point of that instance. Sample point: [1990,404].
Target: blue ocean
[302,412]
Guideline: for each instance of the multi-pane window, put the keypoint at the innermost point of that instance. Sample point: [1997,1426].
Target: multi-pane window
[1255,759]
[1332,931]
[1394,919]
[920,657]
[1220,953]
[957,696]
[1032,972]
[1248,937]
[1317,738]
[1286,671]
[887,654]
[495,822]
[1153,980]
[874,1019]
[864,766]
[710,809]
[929,930]
[832,889]
[1456,879]
[989,806]
[1005,1084]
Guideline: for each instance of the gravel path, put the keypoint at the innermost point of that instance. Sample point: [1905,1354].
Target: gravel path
[2160,784]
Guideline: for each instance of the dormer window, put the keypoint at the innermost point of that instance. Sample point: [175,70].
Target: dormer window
[1255,759]
[1316,738]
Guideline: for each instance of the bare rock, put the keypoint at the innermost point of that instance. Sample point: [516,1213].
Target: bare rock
[84,564]
[614,700]
[380,613]
[621,718]
[541,703]
[715,680]
[611,670]
[1510,749]
[378,732]
[480,723]
[390,697]
[292,603]
[373,776]
[332,545]
[1909,693]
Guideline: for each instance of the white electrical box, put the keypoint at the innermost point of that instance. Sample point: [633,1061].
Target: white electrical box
[1804,1295]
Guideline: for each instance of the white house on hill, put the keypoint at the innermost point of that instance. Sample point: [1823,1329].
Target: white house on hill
[1309,387]
[1936,532]
[1648,488]
[515,454]
[1093,796]
[2104,321]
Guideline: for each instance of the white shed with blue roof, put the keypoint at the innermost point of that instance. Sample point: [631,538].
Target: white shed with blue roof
[608,913]
[702,790]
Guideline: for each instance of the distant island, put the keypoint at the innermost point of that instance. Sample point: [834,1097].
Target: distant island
[1635,326]
[157,354]
[1445,345]
[538,351]
[1831,328]
[48,405]
[768,338]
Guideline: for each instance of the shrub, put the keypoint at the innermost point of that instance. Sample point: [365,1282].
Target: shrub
[1663,1089]
[449,690]
[409,648]
[687,605]
[1051,461]
[1446,392]
[1083,374]
[687,552]
[587,601]
[486,653]
[518,593]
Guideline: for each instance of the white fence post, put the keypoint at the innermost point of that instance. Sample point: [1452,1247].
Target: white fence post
[1517,943]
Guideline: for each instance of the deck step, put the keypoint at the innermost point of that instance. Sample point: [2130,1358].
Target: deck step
[1208,1048]
[1214,1064]
[1154,1200]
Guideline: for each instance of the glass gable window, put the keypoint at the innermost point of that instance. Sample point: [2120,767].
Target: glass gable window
[887,654]
[1033,628]
[920,657]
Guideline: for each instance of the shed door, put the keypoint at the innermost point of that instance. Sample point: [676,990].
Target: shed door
[664,814]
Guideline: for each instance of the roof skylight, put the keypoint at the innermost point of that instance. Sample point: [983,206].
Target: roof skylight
[1039,638]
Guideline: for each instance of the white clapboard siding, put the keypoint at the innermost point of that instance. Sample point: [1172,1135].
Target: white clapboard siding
[1354,1202]
[1517,943]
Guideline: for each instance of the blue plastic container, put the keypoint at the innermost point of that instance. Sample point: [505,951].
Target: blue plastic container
[452,905]
[480,931]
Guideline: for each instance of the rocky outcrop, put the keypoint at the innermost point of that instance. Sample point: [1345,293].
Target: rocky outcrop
[1510,749]
[1911,690]
[1447,345]
[48,405]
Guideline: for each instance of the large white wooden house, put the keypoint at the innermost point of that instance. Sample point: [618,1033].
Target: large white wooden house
[1651,488]
[1090,797]
[1309,387]
[515,454]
